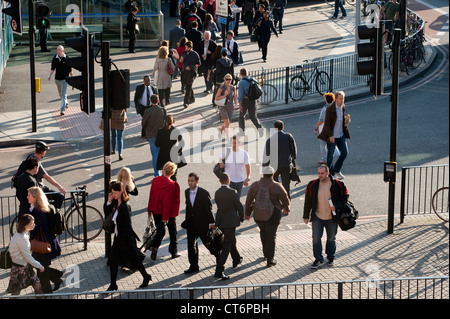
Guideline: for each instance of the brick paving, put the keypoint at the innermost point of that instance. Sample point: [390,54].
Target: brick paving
[417,248]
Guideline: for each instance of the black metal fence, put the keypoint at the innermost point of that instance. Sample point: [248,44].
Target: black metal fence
[82,221]
[371,288]
[419,183]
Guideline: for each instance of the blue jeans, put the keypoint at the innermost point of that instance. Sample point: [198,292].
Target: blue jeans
[341,144]
[237,186]
[62,90]
[317,231]
[155,151]
[338,4]
[117,138]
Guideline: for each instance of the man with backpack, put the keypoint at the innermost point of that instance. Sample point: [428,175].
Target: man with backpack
[247,101]
[324,197]
[267,199]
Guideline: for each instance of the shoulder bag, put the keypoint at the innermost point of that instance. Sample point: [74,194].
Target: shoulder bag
[39,244]
[5,259]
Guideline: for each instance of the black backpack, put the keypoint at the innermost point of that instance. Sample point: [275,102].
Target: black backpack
[255,91]
[56,221]
[348,216]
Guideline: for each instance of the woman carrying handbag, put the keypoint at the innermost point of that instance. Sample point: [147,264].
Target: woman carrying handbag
[124,250]
[43,214]
[227,94]
[22,272]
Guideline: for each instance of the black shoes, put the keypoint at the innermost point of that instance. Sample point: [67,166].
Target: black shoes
[191,270]
[154,253]
[222,276]
[112,287]
[145,282]
[237,263]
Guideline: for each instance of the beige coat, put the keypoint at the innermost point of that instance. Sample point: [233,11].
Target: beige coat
[163,80]
[118,119]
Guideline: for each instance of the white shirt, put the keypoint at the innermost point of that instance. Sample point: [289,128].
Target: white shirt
[143,99]
[235,163]
[192,194]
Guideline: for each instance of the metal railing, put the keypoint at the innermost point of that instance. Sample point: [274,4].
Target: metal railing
[371,288]
[418,186]
[9,208]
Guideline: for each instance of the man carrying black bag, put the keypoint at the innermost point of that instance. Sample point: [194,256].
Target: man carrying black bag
[199,219]
[324,197]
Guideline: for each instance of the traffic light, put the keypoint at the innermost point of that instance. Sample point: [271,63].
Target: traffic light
[119,89]
[42,16]
[374,50]
[15,11]
[84,64]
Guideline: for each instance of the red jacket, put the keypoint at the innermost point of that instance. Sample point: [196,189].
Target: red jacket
[164,197]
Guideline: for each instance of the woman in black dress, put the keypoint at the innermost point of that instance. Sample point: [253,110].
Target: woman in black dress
[124,250]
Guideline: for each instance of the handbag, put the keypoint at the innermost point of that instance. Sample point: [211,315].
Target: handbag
[5,259]
[149,229]
[214,240]
[217,169]
[39,244]
[108,225]
[222,101]
[348,216]
[169,67]
[241,60]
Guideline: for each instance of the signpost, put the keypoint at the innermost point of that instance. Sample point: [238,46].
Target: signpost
[222,14]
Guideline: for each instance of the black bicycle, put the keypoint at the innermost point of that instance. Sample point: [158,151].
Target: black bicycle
[299,85]
[73,217]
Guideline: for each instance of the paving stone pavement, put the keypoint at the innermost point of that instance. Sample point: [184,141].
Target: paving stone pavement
[417,248]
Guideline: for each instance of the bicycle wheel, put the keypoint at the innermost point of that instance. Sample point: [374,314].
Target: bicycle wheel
[323,83]
[417,58]
[270,93]
[94,223]
[440,203]
[297,88]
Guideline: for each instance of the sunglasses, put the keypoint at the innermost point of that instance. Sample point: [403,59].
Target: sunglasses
[227,79]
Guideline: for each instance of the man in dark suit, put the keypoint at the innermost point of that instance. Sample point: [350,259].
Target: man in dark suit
[195,36]
[206,48]
[199,218]
[176,34]
[143,94]
[230,214]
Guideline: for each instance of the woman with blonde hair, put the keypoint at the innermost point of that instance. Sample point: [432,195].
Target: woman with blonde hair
[228,91]
[124,176]
[43,214]
[163,79]
[22,273]
[164,205]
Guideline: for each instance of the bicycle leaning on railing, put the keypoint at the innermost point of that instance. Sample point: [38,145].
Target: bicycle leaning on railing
[73,217]
[299,85]
[412,54]
[440,203]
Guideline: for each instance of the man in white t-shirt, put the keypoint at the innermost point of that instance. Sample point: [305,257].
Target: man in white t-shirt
[236,159]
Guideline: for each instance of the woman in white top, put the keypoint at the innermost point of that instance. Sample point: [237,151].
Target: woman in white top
[22,272]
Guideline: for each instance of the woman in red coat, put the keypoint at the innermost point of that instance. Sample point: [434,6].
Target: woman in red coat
[164,204]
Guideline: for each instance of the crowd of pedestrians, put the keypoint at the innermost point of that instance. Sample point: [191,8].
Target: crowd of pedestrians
[190,52]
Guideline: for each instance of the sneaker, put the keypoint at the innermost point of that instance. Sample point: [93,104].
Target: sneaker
[62,113]
[340,175]
[331,262]
[343,17]
[316,264]
[333,18]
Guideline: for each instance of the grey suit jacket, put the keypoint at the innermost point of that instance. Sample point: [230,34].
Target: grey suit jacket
[175,36]
[230,211]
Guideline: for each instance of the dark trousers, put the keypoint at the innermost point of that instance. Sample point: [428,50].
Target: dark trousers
[249,106]
[278,18]
[47,276]
[268,234]
[172,228]
[187,78]
[132,41]
[164,96]
[192,246]
[264,46]
[228,247]
[236,27]
[285,173]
